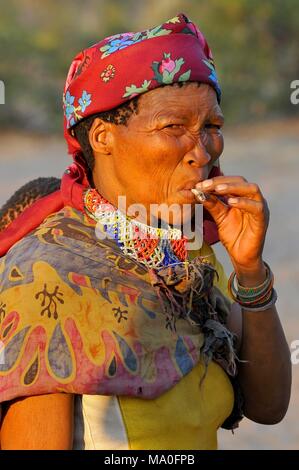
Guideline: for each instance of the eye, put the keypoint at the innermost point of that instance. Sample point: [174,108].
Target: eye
[212,126]
[172,126]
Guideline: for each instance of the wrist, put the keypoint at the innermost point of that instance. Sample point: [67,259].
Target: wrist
[252,274]
[254,292]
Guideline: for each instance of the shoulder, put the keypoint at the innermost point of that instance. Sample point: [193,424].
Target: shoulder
[65,242]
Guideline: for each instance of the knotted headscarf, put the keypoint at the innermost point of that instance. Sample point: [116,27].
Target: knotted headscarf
[123,66]
[103,77]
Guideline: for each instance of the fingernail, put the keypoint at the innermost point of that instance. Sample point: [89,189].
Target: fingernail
[205,184]
[221,187]
[232,200]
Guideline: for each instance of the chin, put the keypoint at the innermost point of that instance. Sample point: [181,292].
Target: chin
[186,196]
[180,215]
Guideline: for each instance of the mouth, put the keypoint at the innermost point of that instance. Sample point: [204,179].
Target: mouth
[187,194]
[190,184]
[187,190]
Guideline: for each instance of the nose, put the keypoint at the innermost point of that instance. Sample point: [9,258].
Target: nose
[198,155]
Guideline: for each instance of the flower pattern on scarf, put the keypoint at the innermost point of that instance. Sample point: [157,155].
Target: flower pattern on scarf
[165,73]
[121,41]
[108,73]
[174,20]
[166,70]
[68,103]
[134,90]
[116,43]
[71,111]
[212,76]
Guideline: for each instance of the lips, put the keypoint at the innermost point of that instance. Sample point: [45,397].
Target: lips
[187,195]
[190,184]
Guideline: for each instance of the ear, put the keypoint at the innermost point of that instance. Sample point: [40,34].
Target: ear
[99,136]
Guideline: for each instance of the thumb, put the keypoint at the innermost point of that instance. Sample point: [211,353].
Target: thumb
[214,205]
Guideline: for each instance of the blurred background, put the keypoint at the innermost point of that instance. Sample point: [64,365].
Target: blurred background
[256,50]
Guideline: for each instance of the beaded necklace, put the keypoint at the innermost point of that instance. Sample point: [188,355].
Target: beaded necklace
[154,247]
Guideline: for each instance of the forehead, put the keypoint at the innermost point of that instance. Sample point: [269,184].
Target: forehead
[190,99]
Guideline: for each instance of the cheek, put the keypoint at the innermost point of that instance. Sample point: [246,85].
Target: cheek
[144,160]
[158,155]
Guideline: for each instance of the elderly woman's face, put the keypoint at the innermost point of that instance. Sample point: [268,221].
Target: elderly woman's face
[167,147]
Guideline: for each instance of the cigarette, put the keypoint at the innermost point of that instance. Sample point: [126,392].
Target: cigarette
[200,195]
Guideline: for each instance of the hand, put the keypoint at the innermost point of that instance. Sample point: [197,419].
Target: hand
[242,222]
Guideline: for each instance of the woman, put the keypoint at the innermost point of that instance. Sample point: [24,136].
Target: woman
[139,332]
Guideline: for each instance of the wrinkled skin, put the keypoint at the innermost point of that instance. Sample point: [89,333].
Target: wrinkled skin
[171,142]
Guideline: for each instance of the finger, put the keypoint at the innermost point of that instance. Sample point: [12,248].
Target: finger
[250,190]
[258,208]
[212,182]
[215,207]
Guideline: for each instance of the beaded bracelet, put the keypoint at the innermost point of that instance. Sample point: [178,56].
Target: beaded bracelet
[265,306]
[255,298]
[259,297]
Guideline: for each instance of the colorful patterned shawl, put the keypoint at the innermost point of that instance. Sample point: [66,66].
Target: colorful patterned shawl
[78,316]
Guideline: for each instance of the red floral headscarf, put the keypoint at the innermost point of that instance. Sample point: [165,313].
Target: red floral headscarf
[103,77]
[126,65]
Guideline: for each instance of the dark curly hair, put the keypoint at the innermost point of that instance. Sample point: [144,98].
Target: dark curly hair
[119,115]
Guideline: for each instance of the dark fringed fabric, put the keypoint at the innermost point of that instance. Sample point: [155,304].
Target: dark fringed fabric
[186,291]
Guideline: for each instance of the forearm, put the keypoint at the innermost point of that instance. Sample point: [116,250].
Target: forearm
[43,422]
[265,377]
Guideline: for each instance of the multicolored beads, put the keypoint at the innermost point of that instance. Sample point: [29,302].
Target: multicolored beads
[152,246]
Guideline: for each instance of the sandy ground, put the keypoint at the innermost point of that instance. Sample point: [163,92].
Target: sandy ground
[267,154]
